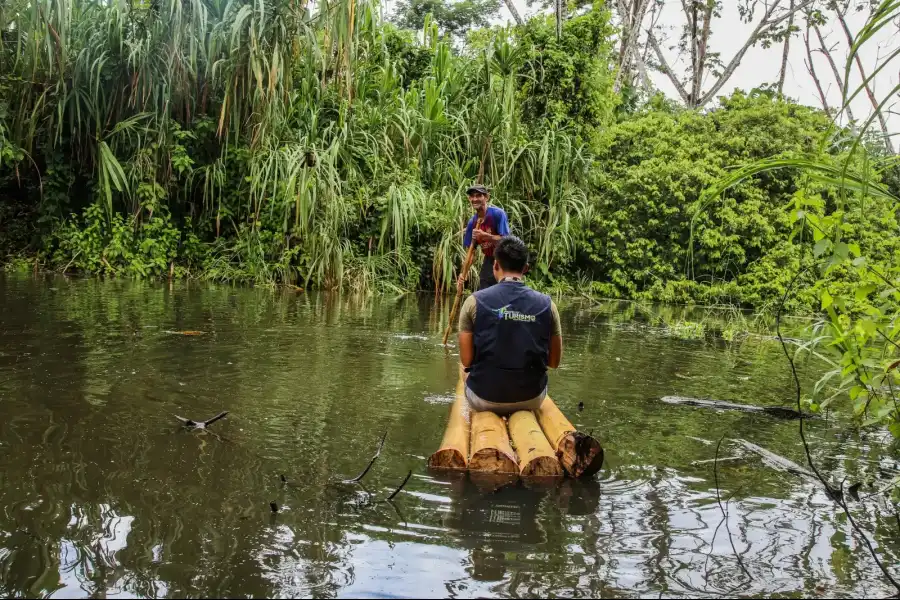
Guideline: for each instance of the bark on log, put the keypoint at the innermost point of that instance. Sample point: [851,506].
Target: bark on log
[580,455]
[454,451]
[490,445]
[537,459]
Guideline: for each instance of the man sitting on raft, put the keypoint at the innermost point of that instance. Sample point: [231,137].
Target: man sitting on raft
[508,335]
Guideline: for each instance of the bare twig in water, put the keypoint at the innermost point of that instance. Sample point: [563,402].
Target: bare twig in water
[397,491]
[725,512]
[836,495]
[359,477]
[399,514]
[716,531]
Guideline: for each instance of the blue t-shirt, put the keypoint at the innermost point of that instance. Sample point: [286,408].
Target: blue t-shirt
[495,222]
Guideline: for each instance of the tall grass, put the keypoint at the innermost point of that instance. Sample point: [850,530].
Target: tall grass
[279,115]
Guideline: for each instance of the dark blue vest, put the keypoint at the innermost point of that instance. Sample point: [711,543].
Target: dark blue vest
[513,324]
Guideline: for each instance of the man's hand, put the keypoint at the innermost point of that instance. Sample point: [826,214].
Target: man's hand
[481,236]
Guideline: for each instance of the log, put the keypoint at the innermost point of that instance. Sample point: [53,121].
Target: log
[779,463]
[779,412]
[580,455]
[536,457]
[490,445]
[454,451]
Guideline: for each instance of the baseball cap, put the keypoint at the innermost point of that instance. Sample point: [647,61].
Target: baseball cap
[477,188]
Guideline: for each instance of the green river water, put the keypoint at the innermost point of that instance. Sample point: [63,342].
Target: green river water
[103,495]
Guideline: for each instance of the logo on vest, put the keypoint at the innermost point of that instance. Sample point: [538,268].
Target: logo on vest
[504,314]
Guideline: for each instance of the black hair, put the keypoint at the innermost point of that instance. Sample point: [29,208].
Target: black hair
[512,254]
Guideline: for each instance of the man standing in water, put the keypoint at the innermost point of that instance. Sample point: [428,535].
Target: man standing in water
[494,225]
[508,335]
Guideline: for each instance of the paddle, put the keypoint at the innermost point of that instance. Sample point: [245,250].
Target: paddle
[467,264]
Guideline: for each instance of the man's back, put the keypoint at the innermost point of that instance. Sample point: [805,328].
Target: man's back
[512,327]
[509,335]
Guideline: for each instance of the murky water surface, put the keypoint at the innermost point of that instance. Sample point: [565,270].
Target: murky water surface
[103,495]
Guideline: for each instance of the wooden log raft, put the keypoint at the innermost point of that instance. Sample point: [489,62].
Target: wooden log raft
[581,455]
[546,441]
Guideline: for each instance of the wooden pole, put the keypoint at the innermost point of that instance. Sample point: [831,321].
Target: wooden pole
[467,264]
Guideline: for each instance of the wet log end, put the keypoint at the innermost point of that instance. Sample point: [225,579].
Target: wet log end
[492,460]
[536,455]
[447,459]
[580,454]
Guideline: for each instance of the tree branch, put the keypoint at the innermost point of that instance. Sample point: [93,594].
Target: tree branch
[664,66]
[837,75]
[862,72]
[784,55]
[631,21]
[765,25]
[812,70]
[703,43]
[514,11]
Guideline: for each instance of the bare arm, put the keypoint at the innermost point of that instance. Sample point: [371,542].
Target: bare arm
[555,351]
[555,338]
[467,348]
[484,236]
[467,332]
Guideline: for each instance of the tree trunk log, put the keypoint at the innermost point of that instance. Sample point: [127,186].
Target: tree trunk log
[537,459]
[581,455]
[491,451]
[454,451]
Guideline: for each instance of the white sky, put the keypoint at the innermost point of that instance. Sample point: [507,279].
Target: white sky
[761,66]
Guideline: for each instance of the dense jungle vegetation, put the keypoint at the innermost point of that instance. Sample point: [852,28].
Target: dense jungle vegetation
[269,142]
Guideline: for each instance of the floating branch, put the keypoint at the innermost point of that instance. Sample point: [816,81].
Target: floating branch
[359,477]
[779,463]
[397,491]
[774,411]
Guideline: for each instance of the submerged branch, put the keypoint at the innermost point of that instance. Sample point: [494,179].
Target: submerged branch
[402,485]
[725,512]
[359,477]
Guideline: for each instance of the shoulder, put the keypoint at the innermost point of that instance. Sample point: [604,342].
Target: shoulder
[545,298]
[497,211]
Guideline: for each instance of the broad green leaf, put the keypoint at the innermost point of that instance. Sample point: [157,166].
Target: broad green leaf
[863,291]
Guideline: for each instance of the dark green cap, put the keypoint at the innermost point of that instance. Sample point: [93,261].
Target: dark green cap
[477,188]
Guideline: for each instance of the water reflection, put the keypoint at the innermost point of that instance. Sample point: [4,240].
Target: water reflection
[104,495]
